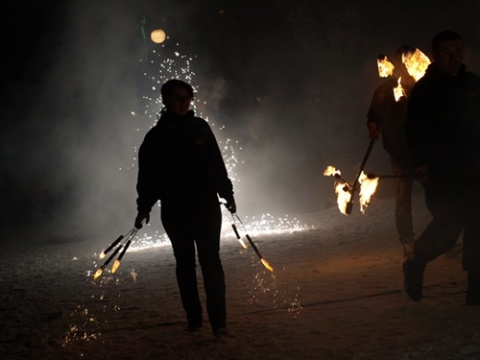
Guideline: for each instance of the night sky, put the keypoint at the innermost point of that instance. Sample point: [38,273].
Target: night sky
[289,81]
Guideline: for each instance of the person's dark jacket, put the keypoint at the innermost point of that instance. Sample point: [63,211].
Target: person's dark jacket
[181,165]
[443,125]
[390,117]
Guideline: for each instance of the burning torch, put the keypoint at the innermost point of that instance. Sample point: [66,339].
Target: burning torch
[234,227]
[121,245]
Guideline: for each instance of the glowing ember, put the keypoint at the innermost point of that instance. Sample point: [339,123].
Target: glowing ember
[399,91]
[266,264]
[115,265]
[416,63]
[385,67]
[97,274]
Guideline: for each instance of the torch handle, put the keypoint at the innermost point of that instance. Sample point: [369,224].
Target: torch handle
[111,257]
[254,246]
[236,231]
[113,244]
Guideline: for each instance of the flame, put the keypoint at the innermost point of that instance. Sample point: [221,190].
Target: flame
[102,255]
[399,91]
[97,274]
[115,266]
[385,67]
[242,243]
[343,197]
[331,171]
[266,264]
[368,186]
[416,63]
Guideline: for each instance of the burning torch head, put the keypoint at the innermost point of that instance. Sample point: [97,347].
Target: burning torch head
[400,53]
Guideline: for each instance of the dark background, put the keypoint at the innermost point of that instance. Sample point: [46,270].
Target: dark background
[289,82]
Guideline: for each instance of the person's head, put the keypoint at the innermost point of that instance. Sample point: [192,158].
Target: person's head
[177,96]
[447,52]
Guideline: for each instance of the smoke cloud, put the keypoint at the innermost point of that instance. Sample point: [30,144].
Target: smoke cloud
[288,85]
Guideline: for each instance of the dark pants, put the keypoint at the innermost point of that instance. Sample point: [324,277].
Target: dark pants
[403,199]
[198,227]
[454,209]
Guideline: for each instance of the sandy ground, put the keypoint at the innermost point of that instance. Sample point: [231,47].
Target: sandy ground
[336,293]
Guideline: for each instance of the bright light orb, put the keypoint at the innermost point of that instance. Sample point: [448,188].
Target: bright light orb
[158,36]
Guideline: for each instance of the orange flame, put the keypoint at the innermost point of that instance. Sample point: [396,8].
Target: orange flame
[97,274]
[416,63]
[115,266]
[368,186]
[266,264]
[399,91]
[385,67]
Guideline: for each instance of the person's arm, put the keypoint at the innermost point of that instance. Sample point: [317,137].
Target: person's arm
[147,180]
[223,183]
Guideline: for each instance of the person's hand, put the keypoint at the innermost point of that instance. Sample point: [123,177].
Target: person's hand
[373,131]
[141,217]
[231,206]
[421,173]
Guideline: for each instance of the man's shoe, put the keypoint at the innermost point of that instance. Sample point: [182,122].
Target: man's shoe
[473,288]
[222,333]
[413,277]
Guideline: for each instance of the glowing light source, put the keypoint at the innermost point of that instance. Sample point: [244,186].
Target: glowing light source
[368,186]
[385,67]
[416,63]
[158,36]
[399,91]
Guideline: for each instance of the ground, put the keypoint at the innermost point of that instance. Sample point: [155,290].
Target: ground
[336,293]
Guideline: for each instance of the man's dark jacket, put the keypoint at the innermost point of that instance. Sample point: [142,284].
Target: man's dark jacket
[180,164]
[443,126]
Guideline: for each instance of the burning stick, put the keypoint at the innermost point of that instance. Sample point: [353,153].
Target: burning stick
[115,243]
[238,235]
[119,246]
[262,259]
[360,171]
[116,264]
[105,264]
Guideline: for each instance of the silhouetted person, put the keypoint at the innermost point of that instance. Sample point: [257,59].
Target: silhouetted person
[181,165]
[443,134]
[386,118]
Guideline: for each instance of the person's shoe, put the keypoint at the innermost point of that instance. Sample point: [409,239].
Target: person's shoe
[473,288]
[413,277]
[221,333]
